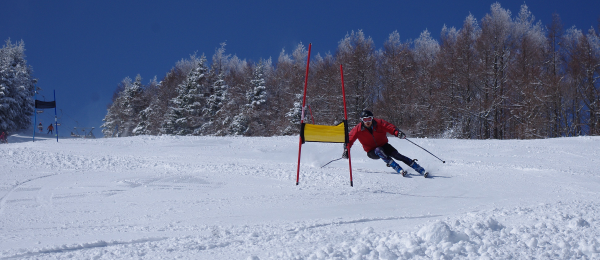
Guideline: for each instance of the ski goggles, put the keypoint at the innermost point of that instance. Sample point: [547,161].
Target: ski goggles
[367,119]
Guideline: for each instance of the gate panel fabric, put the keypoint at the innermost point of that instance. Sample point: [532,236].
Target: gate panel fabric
[324,133]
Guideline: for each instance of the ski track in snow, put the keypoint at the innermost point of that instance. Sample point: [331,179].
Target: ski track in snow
[171,197]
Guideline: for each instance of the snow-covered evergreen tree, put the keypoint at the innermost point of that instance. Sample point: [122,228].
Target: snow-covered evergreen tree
[214,104]
[257,96]
[144,119]
[151,111]
[110,127]
[294,116]
[216,100]
[122,115]
[184,115]
[239,125]
[16,88]
[131,99]
[143,125]
[249,118]
[220,61]
[113,119]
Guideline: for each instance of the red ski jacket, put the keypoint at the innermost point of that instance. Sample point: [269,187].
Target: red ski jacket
[369,140]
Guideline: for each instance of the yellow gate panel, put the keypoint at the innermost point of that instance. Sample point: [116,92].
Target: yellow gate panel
[325,133]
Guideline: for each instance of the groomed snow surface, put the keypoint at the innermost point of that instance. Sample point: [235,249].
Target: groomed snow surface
[172,197]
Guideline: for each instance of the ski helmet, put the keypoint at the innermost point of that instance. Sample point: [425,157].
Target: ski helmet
[366,113]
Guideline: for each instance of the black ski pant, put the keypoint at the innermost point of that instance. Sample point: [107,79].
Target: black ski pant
[389,151]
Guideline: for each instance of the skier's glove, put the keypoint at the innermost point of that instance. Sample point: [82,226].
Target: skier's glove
[400,134]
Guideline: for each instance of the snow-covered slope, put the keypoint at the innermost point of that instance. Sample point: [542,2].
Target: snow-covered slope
[235,198]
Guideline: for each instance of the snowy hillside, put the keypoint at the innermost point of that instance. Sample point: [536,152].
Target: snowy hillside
[235,198]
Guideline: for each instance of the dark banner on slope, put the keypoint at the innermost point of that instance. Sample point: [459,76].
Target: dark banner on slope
[45,104]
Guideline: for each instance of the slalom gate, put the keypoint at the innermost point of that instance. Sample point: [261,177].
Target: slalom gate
[323,133]
[44,105]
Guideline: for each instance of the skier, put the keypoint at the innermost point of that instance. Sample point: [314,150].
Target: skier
[371,133]
[41,127]
[50,128]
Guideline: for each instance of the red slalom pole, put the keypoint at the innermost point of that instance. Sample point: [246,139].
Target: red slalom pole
[346,118]
[302,119]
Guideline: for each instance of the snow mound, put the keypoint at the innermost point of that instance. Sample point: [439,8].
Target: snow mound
[482,237]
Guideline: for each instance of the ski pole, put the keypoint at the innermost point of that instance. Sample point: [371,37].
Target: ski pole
[332,161]
[425,150]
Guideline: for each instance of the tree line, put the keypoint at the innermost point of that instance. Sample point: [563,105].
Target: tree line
[501,77]
[16,88]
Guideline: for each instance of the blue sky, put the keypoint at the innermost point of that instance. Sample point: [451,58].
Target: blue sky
[83,49]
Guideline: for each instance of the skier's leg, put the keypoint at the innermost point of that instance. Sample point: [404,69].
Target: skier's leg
[371,154]
[389,149]
[381,154]
[417,167]
[396,155]
[378,153]
[389,161]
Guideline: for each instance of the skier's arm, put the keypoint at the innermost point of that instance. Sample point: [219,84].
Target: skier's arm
[392,129]
[351,139]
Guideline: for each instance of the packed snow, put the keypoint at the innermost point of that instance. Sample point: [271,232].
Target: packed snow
[169,197]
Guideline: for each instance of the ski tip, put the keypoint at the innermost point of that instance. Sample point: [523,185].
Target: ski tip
[426,174]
